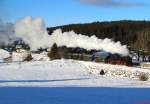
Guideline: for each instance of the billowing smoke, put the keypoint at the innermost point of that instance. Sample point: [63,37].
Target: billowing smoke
[6,33]
[71,39]
[33,32]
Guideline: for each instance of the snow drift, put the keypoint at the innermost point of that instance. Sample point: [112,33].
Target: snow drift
[34,33]
[4,54]
[40,57]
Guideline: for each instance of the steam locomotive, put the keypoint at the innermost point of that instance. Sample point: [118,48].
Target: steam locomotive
[96,55]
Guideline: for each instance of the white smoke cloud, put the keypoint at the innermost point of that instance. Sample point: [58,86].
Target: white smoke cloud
[6,33]
[33,32]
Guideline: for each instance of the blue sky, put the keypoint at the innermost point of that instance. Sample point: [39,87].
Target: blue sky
[61,12]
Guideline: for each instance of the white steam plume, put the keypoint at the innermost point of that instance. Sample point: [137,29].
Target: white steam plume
[33,32]
[6,33]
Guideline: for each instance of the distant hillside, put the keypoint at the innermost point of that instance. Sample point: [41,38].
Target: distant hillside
[133,33]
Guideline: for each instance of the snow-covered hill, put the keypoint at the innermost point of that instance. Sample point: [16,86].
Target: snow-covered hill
[60,73]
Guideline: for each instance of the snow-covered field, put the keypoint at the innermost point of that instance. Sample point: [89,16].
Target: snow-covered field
[70,82]
[64,73]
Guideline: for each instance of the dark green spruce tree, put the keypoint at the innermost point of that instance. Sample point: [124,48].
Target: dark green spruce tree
[54,53]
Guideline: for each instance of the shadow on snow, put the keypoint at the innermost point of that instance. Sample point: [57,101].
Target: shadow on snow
[71,79]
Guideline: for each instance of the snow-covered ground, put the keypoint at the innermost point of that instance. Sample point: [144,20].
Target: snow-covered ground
[64,73]
[69,82]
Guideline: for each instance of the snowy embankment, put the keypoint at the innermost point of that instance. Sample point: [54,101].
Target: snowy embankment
[3,54]
[116,70]
[60,73]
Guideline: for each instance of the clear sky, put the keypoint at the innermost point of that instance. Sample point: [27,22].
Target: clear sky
[61,12]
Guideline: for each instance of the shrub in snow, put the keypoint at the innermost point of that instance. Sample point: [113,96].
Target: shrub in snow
[102,72]
[90,72]
[28,58]
[143,77]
